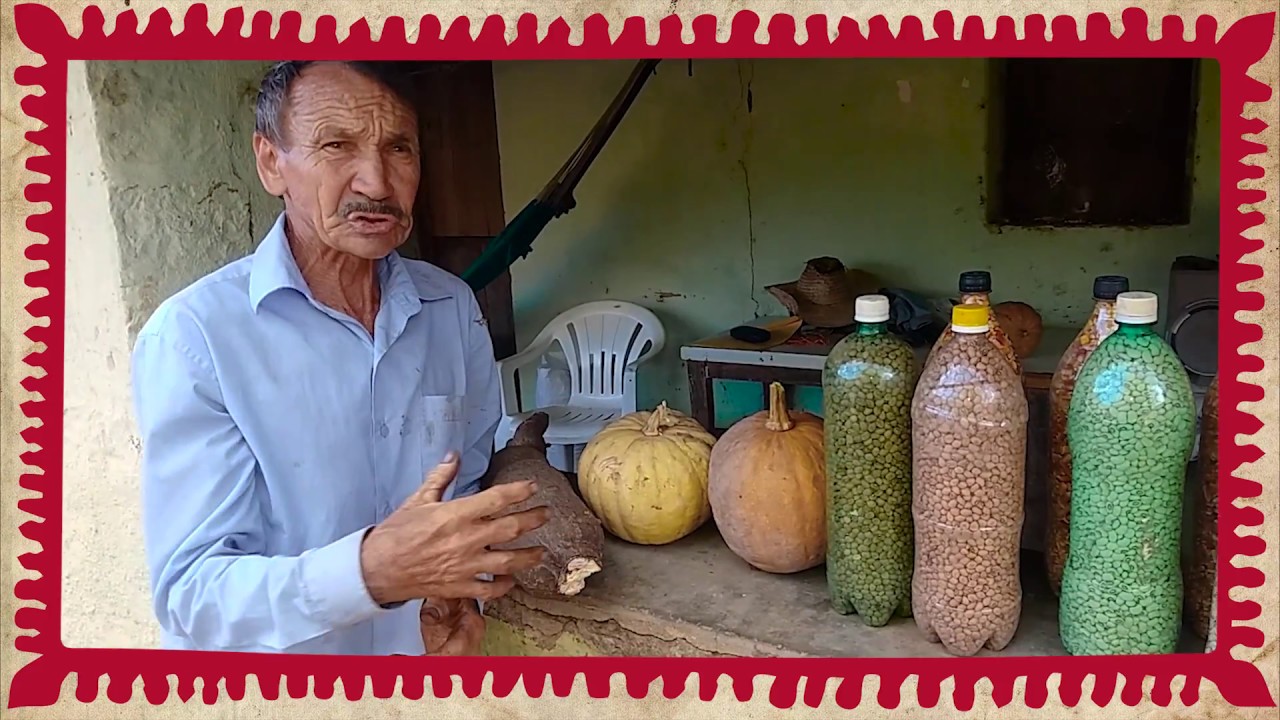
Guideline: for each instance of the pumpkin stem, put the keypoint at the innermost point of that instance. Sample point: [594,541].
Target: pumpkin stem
[779,418]
[658,419]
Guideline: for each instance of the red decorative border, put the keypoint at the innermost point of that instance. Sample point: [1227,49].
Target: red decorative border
[41,30]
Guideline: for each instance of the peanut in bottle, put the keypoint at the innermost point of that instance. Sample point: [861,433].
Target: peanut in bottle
[1099,326]
[975,289]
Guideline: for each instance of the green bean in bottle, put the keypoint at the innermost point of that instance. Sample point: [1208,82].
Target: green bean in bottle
[867,384]
[1131,427]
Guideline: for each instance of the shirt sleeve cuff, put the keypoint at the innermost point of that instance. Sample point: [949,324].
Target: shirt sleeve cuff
[333,582]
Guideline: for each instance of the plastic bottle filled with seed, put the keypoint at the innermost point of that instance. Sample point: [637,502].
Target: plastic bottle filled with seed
[1099,326]
[969,445]
[975,289]
[867,386]
[1131,427]
[1211,641]
[1204,547]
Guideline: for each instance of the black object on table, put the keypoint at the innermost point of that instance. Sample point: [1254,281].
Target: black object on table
[749,334]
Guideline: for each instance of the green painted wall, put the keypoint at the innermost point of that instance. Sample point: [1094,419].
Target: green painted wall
[878,162]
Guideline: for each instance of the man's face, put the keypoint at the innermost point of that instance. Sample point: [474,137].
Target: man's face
[348,166]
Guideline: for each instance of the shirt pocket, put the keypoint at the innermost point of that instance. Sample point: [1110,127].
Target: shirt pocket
[442,431]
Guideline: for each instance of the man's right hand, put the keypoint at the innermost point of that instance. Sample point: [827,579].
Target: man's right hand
[433,549]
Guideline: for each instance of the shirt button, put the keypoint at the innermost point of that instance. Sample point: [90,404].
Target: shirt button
[383,431]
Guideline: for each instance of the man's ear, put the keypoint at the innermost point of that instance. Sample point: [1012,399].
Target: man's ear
[268,162]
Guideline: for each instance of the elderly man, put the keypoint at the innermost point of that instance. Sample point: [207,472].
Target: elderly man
[316,417]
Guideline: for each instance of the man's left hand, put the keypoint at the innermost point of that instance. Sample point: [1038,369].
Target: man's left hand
[452,627]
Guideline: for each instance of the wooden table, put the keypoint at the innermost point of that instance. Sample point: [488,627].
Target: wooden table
[801,365]
[789,365]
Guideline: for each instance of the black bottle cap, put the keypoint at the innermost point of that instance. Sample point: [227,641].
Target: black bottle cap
[975,281]
[1107,287]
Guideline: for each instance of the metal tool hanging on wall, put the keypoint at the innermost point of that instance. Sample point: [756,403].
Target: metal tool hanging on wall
[516,239]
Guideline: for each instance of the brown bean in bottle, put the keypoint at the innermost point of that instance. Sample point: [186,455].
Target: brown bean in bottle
[969,438]
[1101,323]
[1204,549]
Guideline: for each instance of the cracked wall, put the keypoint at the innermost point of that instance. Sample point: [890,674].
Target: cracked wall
[511,628]
[184,194]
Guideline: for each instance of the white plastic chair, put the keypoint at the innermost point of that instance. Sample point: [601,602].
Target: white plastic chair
[602,342]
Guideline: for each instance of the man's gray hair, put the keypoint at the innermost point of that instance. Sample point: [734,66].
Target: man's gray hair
[273,93]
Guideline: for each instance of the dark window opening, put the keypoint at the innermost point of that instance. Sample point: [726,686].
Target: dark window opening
[1092,142]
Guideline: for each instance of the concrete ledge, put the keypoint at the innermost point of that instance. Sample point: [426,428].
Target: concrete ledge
[694,598]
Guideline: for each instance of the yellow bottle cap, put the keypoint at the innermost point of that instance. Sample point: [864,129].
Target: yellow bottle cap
[970,317]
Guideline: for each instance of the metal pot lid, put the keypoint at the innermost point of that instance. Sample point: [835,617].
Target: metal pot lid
[1194,337]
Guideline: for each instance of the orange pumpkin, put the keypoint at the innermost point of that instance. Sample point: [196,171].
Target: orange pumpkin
[767,487]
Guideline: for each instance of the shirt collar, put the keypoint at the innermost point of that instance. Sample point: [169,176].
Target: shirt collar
[275,269]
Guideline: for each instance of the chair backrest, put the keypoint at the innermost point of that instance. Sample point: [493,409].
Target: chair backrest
[600,340]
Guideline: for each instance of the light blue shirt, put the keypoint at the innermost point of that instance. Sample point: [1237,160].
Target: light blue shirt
[276,432]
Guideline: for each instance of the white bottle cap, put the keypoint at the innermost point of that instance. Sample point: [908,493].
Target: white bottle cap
[871,309]
[1137,308]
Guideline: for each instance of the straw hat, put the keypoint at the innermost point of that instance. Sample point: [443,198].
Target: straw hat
[823,295]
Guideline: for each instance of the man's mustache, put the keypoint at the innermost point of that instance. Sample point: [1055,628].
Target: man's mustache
[372,208]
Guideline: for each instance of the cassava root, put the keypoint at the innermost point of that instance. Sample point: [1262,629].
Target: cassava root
[572,537]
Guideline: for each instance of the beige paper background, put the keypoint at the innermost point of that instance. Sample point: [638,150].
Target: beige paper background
[14,346]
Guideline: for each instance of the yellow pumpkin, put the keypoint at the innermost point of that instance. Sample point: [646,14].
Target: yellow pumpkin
[645,476]
[768,488]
